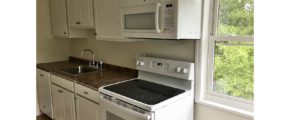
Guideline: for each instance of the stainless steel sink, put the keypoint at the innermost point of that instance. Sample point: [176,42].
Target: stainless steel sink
[80,69]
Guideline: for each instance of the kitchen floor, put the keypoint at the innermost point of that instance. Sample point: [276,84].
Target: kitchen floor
[43,117]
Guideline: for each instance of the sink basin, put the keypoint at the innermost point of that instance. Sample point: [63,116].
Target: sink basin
[80,69]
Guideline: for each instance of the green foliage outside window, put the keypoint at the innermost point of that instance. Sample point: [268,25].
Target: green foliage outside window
[234,61]
[236,17]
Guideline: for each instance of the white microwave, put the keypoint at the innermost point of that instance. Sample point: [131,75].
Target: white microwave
[161,19]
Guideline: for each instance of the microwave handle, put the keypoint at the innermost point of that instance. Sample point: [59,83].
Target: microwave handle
[158,5]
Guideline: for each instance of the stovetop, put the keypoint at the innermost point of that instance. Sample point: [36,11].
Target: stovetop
[146,92]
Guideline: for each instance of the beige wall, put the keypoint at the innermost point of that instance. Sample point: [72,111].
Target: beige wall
[124,53]
[48,48]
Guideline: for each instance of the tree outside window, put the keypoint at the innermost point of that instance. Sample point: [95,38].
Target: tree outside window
[233,69]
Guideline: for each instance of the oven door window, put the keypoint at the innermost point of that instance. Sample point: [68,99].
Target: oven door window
[111,116]
[141,21]
[113,111]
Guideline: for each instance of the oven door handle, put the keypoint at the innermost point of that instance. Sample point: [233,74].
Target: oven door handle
[131,112]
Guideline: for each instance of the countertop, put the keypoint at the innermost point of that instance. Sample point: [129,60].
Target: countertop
[107,75]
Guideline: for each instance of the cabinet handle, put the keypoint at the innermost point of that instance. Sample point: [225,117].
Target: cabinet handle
[85,92]
[60,91]
[41,75]
[78,22]
[95,34]
[64,32]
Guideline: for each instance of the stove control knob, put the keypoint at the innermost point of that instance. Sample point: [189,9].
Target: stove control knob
[142,63]
[137,62]
[184,70]
[178,69]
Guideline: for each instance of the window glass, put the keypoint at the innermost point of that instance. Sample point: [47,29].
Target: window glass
[235,18]
[234,69]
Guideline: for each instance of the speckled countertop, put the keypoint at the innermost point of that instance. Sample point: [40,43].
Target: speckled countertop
[108,75]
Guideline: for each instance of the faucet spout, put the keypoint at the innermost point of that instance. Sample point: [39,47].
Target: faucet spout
[93,56]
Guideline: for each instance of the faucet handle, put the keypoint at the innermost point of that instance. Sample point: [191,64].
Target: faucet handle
[93,64]
[100,64]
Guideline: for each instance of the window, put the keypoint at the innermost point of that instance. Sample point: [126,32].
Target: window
[229,77]
[233,69]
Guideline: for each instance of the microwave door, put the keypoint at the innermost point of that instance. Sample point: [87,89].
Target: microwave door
[142,19]
[112,111]
[141,22]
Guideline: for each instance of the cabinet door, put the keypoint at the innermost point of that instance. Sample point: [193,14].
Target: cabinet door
[80,13]
[63,103]
[58,18]
[108,19]
[86,109]
[73,12]
[57,100]
[43,92]
[86,13]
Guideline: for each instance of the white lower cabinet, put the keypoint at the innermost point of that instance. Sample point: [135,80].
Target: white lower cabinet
[86,109]
[43,92]
[72,101]
[63,103]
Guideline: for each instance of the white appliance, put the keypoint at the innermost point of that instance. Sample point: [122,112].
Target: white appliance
[163,91]
[161,19]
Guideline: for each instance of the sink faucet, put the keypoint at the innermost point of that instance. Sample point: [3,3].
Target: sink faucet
[91,63]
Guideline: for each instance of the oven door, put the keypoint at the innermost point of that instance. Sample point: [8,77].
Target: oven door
[111,111]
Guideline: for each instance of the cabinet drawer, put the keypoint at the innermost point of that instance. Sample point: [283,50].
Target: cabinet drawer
[62,82]
[87,92]
[42,74]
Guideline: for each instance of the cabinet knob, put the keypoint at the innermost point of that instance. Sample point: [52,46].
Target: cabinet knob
[95,34]
[41,75]
[85,92]
[64,32]
[78,22]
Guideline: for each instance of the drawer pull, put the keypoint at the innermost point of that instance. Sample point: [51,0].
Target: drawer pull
[60,91]
[85,92]
[41,75]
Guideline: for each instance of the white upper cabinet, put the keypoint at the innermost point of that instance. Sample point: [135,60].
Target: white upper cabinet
[108,20]
[58,18]
[59,21]
[80,13]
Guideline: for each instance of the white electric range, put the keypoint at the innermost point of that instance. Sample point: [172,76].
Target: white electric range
[163,91]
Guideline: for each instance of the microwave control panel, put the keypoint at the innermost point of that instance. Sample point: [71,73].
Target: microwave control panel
[168,15]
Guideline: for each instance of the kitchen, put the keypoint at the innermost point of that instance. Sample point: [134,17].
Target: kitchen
[84,58]
[114,51]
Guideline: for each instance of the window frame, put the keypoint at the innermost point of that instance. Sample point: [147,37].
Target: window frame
[228,100]
[205,66]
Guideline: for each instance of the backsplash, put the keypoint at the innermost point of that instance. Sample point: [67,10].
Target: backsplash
[124,53]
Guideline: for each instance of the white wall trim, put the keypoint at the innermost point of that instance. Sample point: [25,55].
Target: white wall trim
[226,108]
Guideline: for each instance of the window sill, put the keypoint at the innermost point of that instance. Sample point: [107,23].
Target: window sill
[226,108]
